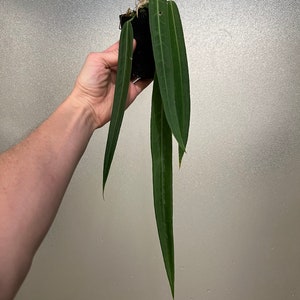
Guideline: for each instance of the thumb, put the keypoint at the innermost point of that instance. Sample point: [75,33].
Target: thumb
[110,58]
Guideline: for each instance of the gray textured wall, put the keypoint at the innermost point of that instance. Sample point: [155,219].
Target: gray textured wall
[237,195]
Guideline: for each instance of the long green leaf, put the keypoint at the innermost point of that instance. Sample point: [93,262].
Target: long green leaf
[161,149]
[162,51]
[121,91]
[181,74]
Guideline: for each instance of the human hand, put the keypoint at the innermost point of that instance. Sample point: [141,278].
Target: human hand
[95,85]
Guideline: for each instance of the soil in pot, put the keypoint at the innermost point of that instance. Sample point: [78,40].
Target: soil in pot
[143,65]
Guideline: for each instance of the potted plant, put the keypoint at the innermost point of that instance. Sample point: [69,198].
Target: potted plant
[160,54]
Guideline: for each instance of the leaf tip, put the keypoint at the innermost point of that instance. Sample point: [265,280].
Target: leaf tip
[103,187]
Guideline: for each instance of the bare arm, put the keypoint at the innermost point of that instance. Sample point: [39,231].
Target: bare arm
[35,173]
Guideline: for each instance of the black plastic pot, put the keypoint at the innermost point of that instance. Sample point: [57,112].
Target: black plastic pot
[143,65]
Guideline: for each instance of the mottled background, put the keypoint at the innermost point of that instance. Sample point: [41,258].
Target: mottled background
[237,195]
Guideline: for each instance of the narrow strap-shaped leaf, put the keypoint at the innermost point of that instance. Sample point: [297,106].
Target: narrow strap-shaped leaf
[121,91]
[162,52]
[181,74]
[161,150]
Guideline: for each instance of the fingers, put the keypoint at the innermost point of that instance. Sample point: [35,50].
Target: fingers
[110,55]
[134,44]
[136,88]
[113,47]
[140,85]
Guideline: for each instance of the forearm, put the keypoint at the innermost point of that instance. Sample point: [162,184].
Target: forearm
[34,174]
[33,178]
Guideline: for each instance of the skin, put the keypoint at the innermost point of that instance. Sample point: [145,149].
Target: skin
[35,173]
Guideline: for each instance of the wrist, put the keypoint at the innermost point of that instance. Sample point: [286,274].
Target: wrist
[80,105]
